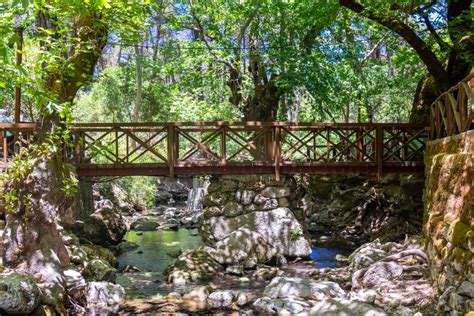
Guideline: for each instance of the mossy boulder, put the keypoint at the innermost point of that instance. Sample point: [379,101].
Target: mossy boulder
[100,270]
[192,266]
[144,224]
[19,293]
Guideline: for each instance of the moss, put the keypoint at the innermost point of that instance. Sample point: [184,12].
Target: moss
[462,255]
[457,232]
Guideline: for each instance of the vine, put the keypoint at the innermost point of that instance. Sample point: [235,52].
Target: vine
[16,182]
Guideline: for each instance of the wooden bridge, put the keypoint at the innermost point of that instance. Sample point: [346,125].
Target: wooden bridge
[198,148]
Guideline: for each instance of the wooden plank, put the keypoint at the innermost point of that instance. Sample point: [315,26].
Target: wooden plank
[379,151]
[455,109]
[171,147]
[5,149]
[243,124]
[277,154]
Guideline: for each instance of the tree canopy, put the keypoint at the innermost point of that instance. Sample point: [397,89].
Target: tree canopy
[351,61]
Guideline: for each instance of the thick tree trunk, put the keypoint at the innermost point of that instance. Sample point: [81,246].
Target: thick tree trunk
[32,241]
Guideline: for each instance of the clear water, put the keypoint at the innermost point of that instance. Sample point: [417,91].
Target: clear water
[152,254]
[325,257]
[152,258]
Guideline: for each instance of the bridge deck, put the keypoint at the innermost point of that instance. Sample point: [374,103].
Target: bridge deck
[119,149]
[196,148]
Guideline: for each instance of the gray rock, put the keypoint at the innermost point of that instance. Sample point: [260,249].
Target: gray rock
[105,295]
[242,245]
[275,226]
[283,202]
[245,197]
[233,209]
[19,293]
[102,271]
[174,252]
[214,199]
[283,287]
[223,185]
[192,266]
[275,192]
[75,282]
[342,307]
[213,211]
[280,306]
[270,204]
[381,272]
[163,197]
[144,224]
[235,270]
[104,227]
[126,246]
[467,289]
[221,299]
[260,199]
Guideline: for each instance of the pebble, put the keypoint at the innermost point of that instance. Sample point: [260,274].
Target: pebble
[244,280]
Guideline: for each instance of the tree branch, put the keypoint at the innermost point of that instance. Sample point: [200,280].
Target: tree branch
[204,39]
[442,44]
[434,66]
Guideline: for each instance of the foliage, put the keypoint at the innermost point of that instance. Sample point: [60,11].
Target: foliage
[16,181]
[328,65]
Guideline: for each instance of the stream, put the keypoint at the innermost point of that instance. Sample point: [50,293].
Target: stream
[159,249]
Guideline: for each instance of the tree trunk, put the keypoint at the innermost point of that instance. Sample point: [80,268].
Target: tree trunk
[32,241]
[139,79]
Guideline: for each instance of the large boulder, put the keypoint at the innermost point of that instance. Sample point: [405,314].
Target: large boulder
[106,226]
[305,289]
[242,246]
[19,293]
[381,272]
[192,266]
[278,227]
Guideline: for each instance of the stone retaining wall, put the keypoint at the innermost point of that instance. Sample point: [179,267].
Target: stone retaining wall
[449,221]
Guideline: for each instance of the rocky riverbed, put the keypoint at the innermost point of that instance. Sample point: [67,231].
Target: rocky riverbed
[241,244]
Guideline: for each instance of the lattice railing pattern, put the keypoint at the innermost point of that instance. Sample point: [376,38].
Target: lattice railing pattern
[453,111]
[241,144]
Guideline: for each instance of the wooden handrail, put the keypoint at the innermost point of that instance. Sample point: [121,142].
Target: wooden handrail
[453,111]
[243,124]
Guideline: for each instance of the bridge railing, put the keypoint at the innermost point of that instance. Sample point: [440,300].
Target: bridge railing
[244,147]
[14,137]
[453,111]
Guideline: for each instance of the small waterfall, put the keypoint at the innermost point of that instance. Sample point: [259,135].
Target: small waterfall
[196,196]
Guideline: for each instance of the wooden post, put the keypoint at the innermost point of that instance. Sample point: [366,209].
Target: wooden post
[171,148]
[270,144]
[379,151]
[116,147]
[77,148]
[5,148]
[176,144]
[223,147]
[19,59]
[277,152]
